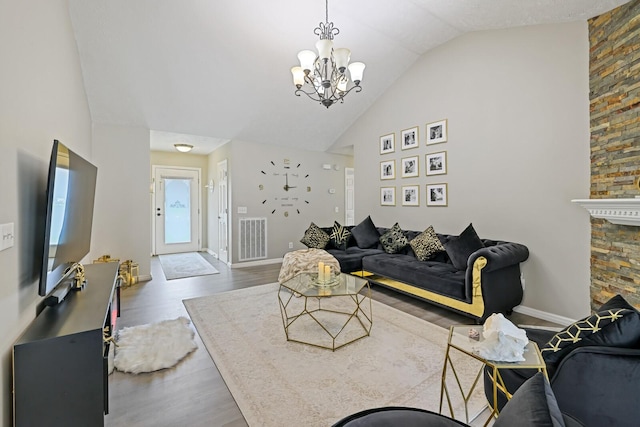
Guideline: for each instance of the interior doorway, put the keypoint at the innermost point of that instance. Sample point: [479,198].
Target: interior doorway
[223,212]
[176,210]
[349,202]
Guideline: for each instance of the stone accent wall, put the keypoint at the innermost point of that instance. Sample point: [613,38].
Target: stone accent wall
[614,73]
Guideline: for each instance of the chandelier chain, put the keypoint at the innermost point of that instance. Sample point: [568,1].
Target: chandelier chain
[326,8]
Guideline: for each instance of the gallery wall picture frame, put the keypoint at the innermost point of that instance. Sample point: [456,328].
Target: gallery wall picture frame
[388,143]
[437,194]
[411,195]
[387,196]
[409,138]
[410,167]
[437,132]
[436,163]
[388,169]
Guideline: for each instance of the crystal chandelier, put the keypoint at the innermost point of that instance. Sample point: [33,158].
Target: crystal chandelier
[323,77]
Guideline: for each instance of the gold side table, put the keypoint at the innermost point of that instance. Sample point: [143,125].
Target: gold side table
[459,340]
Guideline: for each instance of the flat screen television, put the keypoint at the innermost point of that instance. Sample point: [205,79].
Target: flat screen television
[70,197]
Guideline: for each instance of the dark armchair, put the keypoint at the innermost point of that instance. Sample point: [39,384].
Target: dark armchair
[532,406]
[596,377]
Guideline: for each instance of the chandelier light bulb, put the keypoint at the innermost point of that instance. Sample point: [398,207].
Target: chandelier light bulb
[307,58]
[342,85]
[342,56]
[356,69]
[298,76]
[324,47]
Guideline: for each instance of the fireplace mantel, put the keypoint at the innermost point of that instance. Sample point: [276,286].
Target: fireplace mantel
[616,211]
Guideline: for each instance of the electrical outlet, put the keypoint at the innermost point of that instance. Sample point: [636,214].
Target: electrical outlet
[290,245]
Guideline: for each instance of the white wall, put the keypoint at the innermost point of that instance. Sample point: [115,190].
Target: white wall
[518,112]
[122,218]
[247,160]
[42,98]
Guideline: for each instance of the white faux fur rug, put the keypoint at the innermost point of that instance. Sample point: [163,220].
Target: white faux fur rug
[279,383]
[155,346]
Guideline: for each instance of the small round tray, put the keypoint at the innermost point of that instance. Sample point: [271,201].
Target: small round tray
[333,281]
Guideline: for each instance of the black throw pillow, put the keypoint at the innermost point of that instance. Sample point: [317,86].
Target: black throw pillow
[533,404]
[461,247]
[618,325]
[617,301]
[366,234]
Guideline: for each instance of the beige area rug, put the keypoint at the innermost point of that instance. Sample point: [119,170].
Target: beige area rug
[189,264]
[277,383]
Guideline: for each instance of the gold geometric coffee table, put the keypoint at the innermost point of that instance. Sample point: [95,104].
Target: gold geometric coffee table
[325,316]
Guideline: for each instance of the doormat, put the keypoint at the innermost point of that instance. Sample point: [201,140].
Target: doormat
[189,264]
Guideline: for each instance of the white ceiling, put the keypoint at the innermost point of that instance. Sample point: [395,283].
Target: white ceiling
[212,71]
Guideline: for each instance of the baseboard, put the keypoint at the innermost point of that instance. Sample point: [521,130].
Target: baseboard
[550,317]
[212,253]
[257,263]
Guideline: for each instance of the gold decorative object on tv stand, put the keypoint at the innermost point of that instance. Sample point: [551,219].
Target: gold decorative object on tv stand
[129,270]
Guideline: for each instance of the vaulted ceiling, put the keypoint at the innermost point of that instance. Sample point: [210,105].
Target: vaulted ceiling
[219,70]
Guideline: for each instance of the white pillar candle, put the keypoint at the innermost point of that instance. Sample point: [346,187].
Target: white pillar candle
[327,273]
[321,271]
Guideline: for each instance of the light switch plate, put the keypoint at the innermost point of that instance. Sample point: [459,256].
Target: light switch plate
[8,238]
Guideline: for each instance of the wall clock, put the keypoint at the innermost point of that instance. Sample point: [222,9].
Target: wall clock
[285,188]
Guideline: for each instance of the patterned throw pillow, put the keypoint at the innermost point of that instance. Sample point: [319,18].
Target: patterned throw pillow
[616,327]
[339,236]
[426,244]
[394,240]
[315,237]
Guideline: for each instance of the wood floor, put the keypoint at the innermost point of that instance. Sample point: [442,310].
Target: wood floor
[193,393]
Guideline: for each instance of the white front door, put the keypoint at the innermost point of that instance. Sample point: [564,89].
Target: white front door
[176,210]
[223,213]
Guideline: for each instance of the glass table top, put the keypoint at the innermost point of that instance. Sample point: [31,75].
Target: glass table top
[306,284]
[459,338]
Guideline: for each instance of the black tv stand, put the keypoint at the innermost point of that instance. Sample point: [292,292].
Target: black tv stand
[60,363]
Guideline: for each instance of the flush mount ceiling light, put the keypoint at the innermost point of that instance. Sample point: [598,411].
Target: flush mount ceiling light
[183,148]
[323,77]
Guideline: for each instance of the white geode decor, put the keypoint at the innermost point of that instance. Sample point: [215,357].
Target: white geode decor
[503,341]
